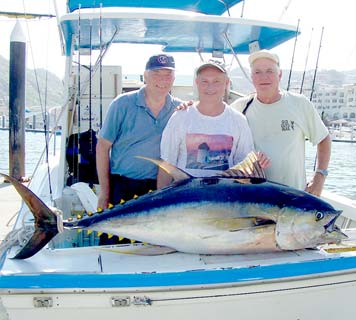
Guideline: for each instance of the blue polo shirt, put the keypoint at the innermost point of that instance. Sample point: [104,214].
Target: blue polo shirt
[135,131]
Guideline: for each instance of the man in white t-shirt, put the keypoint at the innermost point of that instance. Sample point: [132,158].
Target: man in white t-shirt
[209,136]
[280,122]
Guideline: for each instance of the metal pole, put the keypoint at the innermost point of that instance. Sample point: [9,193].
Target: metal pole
[17,81]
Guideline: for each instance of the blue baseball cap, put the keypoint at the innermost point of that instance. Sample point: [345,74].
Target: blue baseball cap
[160,61]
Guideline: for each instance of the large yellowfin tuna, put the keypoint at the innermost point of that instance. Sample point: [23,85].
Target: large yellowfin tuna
[238,212]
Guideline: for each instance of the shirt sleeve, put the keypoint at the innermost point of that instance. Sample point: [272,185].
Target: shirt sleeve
[316,130]
[114,118]
[245,141]
[172,137]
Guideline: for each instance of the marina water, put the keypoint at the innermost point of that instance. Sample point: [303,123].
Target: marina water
[342,168]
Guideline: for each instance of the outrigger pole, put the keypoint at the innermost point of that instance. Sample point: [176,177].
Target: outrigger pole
[291,66]
[316,66]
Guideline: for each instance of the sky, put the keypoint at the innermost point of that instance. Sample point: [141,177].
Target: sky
[337,51]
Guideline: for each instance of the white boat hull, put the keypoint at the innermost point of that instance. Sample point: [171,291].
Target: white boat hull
[330,297]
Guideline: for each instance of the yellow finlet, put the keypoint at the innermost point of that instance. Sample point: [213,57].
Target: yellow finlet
[122,201]
[121,238]
[99,233]
[110,235]
[132,241]
[135,196]
[100,210]
[89,232]
[110,206]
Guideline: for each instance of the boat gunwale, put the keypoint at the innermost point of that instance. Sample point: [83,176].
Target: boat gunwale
[335,264]
[285,284]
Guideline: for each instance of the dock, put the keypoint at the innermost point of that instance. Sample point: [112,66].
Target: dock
[10,203]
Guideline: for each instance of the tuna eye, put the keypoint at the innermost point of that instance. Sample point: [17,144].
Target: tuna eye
[319,216]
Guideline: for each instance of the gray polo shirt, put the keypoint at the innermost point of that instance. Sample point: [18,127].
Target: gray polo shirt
[135,131]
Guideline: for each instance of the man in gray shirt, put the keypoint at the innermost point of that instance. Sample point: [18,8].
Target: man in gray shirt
[133,127]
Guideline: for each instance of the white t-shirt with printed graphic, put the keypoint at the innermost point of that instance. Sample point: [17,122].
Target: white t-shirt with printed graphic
[203,145]
[279,130]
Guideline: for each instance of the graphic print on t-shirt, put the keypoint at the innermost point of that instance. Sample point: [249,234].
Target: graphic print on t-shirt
[208,152]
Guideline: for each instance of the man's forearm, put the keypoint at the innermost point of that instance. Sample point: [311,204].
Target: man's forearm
[324,153]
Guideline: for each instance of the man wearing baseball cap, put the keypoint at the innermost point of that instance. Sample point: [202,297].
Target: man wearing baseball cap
[280,122]
[133,127]
[209,136]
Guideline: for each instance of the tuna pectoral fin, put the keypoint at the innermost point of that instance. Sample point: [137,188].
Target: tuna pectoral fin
[45,220]
[235,224]
[232,224]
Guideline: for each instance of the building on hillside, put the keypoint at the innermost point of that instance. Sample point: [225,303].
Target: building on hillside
[336,102]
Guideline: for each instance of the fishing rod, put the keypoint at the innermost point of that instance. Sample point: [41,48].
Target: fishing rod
[101,68]
[291,66]
[306,62]
[79,94]
[316,66]
[91,132]
[90,73]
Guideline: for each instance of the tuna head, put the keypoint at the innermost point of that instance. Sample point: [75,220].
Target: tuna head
[298,229]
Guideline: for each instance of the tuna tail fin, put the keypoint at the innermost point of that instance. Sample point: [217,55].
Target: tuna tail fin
[45,220]
[248,168]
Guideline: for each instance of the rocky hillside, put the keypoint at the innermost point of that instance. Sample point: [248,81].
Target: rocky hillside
[54,86]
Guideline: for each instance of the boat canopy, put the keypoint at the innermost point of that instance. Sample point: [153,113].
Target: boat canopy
[175,32]
[216,7]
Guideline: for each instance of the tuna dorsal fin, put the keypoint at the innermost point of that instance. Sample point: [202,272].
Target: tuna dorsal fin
[176,173]
[248,168]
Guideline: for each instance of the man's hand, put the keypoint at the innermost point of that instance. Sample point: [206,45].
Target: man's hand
[315,186]
[103,201]
[184,105]
[263,160]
